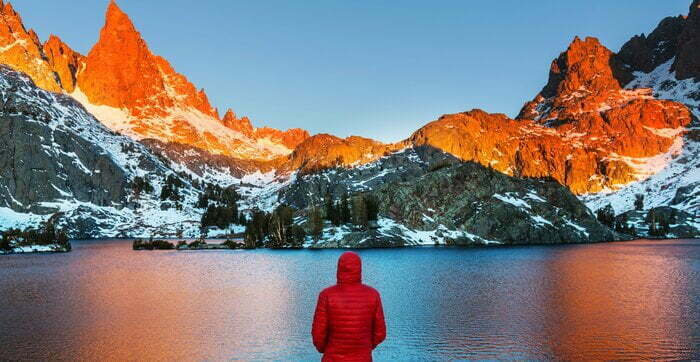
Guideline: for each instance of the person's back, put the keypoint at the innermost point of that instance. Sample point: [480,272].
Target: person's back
[349,319]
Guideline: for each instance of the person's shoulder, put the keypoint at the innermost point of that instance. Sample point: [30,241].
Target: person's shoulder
[329,290]
[371,290]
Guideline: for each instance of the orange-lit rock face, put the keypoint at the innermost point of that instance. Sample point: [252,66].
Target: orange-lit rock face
[135,92]
[242,125]
[597,153]
[22,50]
[121,72]
[64,61]
[325,151]
[585,78]
[583,129]
[290,138]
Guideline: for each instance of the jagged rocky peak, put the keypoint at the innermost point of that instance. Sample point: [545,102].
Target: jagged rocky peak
[582,78]
[64,61]
[121,72]
[242,125]
[645,53]
[586,64]
[687,64]
[22,50]
[675,38]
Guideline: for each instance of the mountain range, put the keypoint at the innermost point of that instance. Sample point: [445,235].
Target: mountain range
[78,130]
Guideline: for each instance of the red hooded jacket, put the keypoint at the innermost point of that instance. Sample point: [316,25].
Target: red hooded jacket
[349,319]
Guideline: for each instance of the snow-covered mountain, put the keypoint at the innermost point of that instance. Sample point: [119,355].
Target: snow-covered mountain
[667,61]
[134,92]
[58,159]
[80,132]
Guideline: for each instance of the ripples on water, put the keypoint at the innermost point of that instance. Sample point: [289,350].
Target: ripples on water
[104,301]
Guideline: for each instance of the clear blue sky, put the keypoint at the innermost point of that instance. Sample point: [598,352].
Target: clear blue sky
[365,67]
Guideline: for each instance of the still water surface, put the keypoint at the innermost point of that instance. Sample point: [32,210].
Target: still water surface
[105,302]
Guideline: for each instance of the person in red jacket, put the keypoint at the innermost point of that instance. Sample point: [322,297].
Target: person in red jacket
[349,320]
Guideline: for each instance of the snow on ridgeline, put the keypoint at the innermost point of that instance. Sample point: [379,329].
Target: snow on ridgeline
[142,216]
[341,236]
[661,178]
[665,85]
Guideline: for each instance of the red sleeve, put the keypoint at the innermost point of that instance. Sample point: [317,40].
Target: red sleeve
[319,331]
[379,325]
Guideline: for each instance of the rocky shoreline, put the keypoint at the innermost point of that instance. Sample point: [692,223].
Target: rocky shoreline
[36,249]
[381,245]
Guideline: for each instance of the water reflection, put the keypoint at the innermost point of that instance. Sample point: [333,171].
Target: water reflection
[105,302]
[620,302]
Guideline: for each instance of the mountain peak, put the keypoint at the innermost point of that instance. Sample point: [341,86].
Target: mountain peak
[230,115]
[585,64]
[121,72]
[687,64]
[114,11]
[581,78]
[21,49]
[117,22]
[645,53]
[64,61]
[242,125]
[7,9]
[116,61]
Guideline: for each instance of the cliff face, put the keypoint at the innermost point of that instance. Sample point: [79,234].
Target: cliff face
[469,204]
[55,158]
[607,126]
[42,160]
[666,63]
[135,92]
[687,64]
[21,49]
[584,129]
[64,61]
[121,57]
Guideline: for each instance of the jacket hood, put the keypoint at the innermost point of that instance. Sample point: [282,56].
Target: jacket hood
[349,269]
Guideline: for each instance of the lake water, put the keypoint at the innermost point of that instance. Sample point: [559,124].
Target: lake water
[106,302]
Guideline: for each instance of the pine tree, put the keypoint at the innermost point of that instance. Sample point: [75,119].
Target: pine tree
[296,236]
[651,216]
[639,202]
[606,216]
[328,207]
[673,217]
[280,222]
[652,226]
[372,208]
[316,223]
[359,211]
[345,212]
[664,227]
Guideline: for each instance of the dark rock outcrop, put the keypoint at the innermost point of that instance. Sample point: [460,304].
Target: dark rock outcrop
[402,166]
[468,204]
[41,161]
[682,225]
[55,158]
[492,206]
[687,64]
[645,53]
